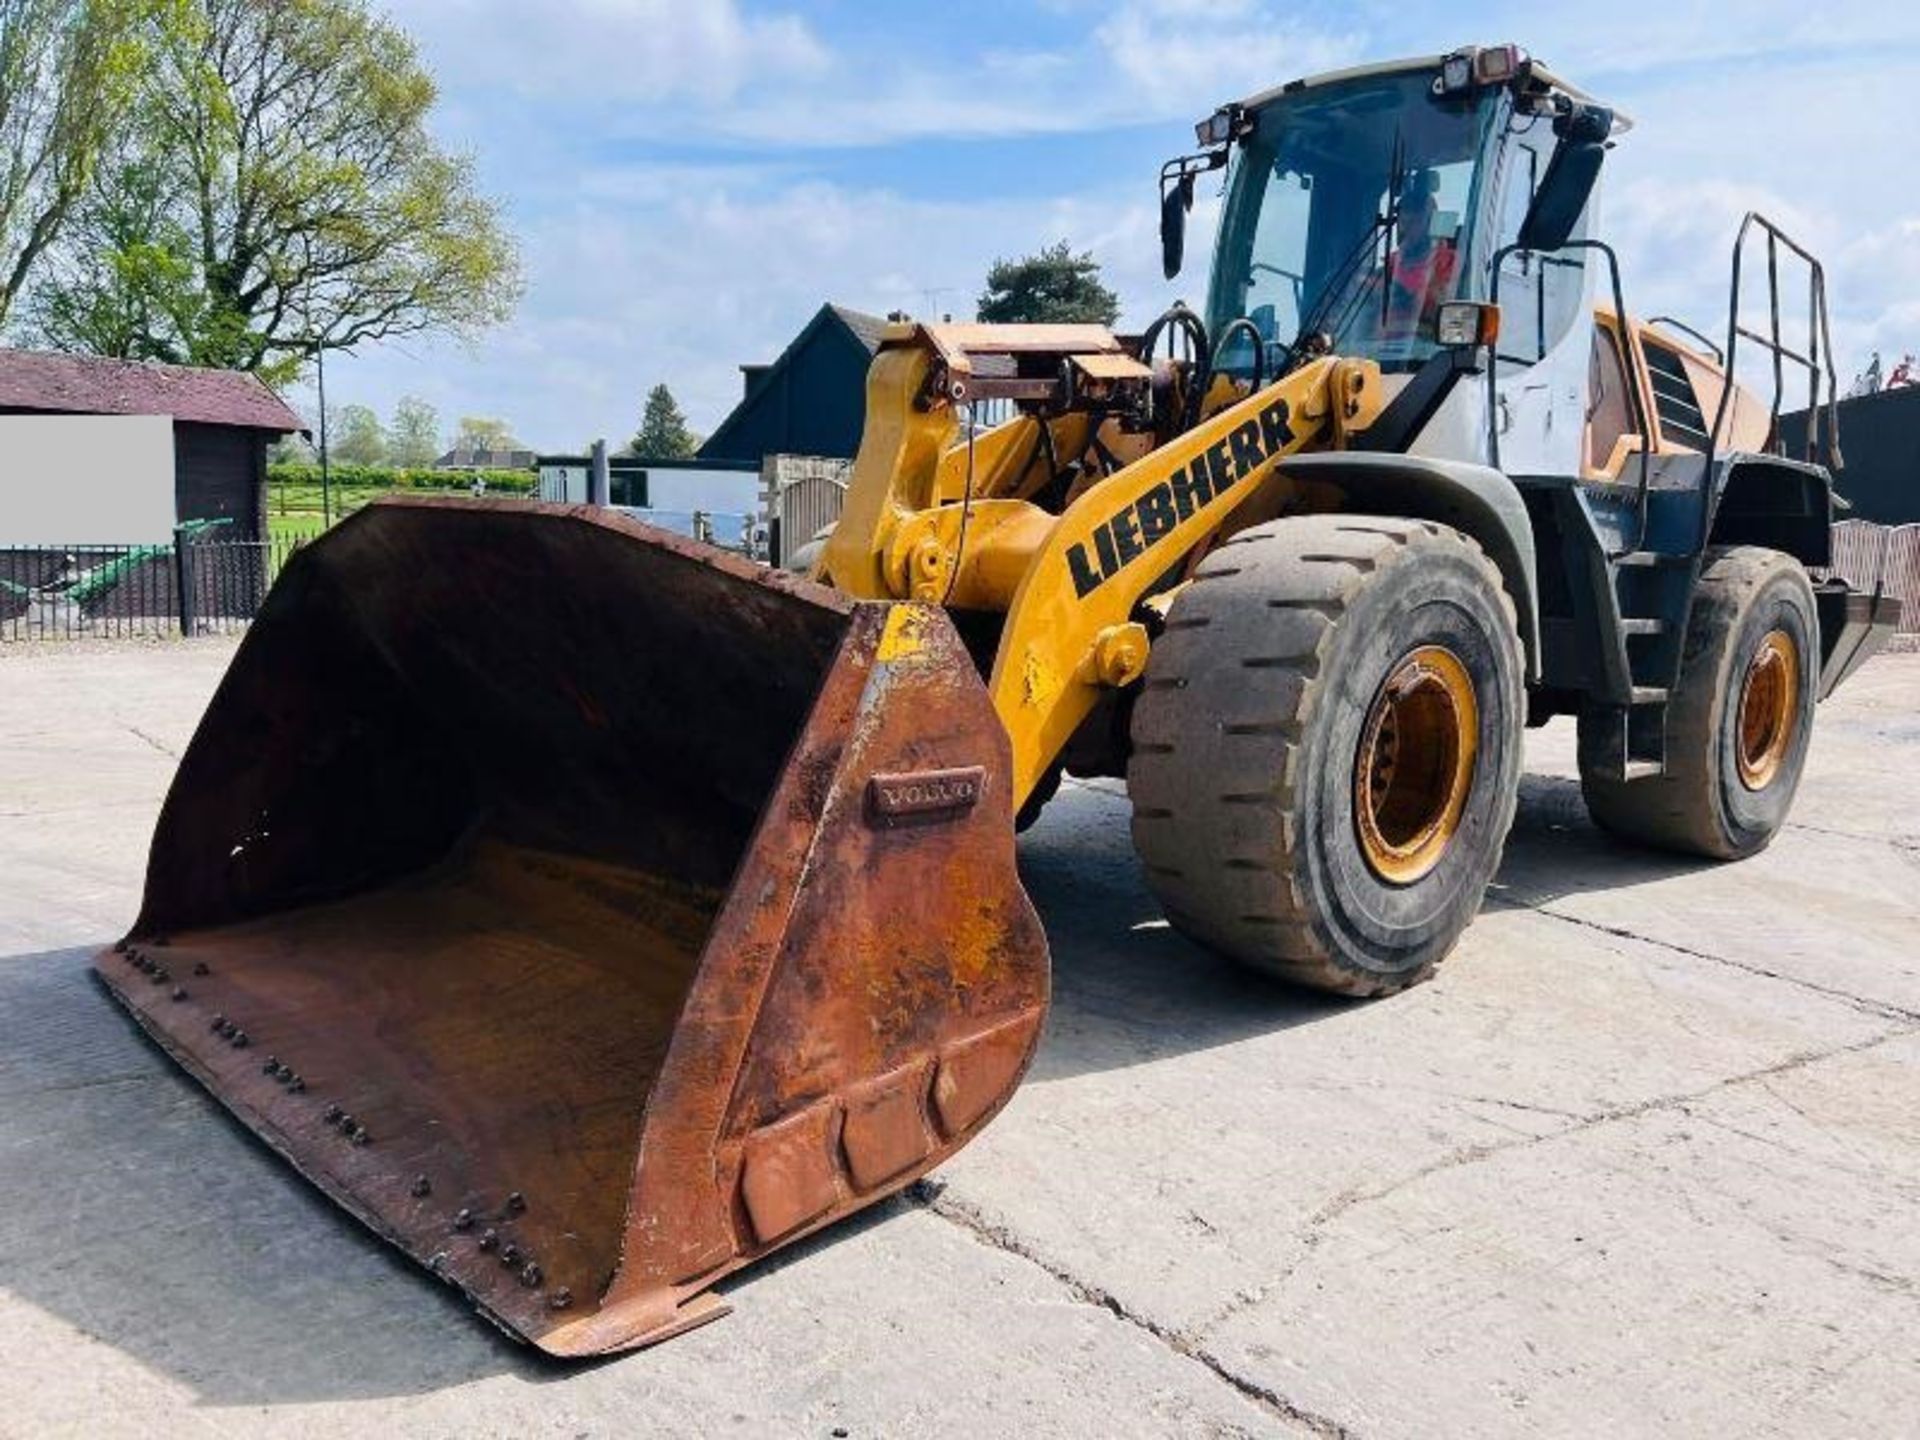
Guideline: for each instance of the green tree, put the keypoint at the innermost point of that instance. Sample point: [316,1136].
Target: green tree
[71,72]
[413,434]
[1052,287]
[302,187]
[356,436]
[123,282]
[292,450]
[484,432]
[663,429]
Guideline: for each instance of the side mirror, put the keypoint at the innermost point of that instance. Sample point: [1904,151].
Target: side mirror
[1570,178]
[1176,199]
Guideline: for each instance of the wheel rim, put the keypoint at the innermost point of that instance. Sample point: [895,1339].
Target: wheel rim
[1769,705]
[1415,764]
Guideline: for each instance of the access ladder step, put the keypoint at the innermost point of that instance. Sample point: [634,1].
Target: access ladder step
[1648,695]
[1641,558]
[1634,626]
[1642,769]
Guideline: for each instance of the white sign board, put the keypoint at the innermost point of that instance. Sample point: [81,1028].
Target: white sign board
[86,480]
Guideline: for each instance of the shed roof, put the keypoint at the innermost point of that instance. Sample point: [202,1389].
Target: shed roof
[90,385]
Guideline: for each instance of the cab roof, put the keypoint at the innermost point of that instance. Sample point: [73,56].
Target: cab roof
[1536,71]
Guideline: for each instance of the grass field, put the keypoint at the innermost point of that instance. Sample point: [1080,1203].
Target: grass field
[294,509]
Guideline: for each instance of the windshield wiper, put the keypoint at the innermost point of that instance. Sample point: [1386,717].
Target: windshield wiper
[1303,347]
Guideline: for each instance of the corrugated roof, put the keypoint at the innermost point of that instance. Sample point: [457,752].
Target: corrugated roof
[90,385]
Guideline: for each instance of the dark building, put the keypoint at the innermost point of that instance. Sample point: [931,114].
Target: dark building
[810,401]
[486,460]
[1880,442]
[223,422]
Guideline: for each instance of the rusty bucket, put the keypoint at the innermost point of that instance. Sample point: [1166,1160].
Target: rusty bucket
[587,910]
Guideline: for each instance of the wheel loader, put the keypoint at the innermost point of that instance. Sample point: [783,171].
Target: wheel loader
[591,912]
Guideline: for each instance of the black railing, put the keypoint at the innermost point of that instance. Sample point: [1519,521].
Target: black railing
[1816,359]
[201,583]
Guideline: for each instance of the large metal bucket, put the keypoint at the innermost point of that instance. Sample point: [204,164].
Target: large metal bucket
[589,911]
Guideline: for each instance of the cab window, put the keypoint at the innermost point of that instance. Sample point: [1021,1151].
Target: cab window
[1540,295]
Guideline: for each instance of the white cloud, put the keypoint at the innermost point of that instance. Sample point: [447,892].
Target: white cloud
[694,279]
[1175,56]
[652,52]
[681,271]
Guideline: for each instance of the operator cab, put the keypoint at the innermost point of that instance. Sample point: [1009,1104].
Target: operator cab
[1358,204]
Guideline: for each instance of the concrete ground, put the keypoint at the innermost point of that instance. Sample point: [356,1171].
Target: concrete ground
[1645,1158]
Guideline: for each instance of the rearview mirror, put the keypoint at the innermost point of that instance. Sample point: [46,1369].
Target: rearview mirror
[1176,200]
[1570,178]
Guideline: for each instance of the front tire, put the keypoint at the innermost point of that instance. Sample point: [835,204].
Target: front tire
[1326,748]
[1738,722]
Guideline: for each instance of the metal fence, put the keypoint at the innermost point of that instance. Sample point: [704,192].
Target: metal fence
[802,495]
[200,584]
[1868,556]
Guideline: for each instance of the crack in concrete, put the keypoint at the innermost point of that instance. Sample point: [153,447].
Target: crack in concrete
[1879,1009]
[159,745]
[1898,842]
[94,1082]
[1313,1232]
[932,1197]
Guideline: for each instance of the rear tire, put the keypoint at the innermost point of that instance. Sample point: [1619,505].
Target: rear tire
[1301,645]
[1753,636]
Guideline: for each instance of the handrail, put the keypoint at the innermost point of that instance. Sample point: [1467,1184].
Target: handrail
[1818,359]
[1673,322]
[1638,401]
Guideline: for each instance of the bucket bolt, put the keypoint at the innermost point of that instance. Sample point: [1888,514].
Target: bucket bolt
[463,1220]
[516,1204]
[509,1254]
[179,992]
[489,1239]
[358,1135]
[530,1276]
[560,1299]
[295,1084]
[422,1187]
[332,1114]
[271,1067]
[240,1039]
[200,968]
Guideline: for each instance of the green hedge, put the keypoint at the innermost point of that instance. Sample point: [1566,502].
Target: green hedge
[384,477]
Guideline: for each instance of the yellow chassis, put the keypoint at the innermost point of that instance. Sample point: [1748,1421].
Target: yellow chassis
[933,519]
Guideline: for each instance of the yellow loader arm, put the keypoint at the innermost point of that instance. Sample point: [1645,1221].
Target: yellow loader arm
[932,518]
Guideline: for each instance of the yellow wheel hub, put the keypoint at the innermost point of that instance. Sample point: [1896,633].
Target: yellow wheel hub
[1769,708]
[1415,764]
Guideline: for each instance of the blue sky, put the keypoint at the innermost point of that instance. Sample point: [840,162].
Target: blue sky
[690,179]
